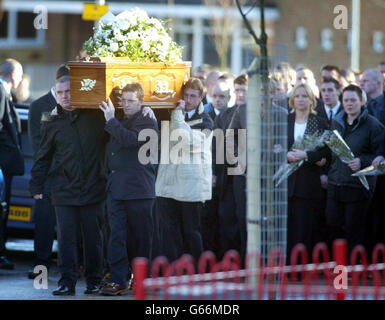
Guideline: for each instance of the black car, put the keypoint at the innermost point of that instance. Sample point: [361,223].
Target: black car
[21,207]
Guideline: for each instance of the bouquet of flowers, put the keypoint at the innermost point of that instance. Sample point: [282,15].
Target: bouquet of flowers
[337,144]
[371,171]
[307,143]
[135,35]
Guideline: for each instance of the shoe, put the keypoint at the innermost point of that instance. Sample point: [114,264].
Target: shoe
[92,289]
[6,264]
[64,291]
[32,275]
[113,289]
[105,280]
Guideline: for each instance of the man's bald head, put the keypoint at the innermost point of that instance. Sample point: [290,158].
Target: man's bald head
[221,95]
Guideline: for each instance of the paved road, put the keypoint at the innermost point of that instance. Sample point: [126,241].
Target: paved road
[15,285]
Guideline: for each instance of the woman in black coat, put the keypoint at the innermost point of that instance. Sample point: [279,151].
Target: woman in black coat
[304,185]
[348,200]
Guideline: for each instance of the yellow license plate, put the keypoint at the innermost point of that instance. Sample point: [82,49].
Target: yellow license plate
[19,213]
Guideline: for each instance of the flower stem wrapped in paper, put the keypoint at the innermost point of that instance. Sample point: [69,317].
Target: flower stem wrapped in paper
[337,144]
[371,171]
[307,143]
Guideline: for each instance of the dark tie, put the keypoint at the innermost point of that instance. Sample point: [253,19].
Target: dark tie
[330,115]
[186,117]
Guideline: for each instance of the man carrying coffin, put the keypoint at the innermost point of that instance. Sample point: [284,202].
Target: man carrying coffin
[184,183]
[130,187]
[74,140]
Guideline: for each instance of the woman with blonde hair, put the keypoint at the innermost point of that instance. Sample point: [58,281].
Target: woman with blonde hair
[304,185]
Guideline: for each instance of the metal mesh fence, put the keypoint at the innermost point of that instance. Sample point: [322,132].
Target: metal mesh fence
[266,147]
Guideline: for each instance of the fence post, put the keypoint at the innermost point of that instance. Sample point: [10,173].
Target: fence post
[140,274]
[340,257]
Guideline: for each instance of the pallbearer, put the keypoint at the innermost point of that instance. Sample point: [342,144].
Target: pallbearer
[130,187]
[74,140]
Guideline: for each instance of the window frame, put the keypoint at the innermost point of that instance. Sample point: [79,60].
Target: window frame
[12,41]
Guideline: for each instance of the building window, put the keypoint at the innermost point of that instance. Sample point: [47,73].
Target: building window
[4,26]
[17,30]
[25,28]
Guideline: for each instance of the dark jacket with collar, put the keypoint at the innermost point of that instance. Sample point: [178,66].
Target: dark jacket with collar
[322,113]
[11,157]
[363,139]
[44,104]
[209,109]
[222,122]
[305,182]
[128,178]
[75,141]
[200,120]
[380,115]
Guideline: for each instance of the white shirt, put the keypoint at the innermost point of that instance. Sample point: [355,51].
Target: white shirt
[217,112]
[190,113]
[334,109]
[299,130]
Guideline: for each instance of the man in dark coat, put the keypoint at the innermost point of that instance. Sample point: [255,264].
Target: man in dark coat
[130,187]
[373,84]
[73,141]
[11,158]
[44,213]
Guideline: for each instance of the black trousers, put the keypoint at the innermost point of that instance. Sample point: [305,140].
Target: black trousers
[303,224]
[4,219]
[232,217]
[88,219]
[180,230]
[210,225]
[44,233]
[346,214]
[375,222]
[131,232]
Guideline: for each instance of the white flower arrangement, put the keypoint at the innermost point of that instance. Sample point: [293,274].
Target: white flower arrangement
[133,34]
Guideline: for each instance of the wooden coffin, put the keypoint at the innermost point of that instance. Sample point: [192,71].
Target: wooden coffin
[98,79]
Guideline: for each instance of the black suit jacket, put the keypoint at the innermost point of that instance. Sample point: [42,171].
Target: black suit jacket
[222,121]
[381,114]
[320,109]
[44,104]
[11,157]
[305,183]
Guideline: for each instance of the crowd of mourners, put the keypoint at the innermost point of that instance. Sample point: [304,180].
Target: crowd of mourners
[93,180]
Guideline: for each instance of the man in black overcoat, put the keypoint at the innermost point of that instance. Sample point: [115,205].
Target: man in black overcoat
[11,157]
[73,142]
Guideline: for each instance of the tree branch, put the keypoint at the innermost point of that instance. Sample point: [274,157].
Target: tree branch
[247,24]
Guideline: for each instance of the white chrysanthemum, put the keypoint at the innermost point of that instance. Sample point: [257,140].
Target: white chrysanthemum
[140,14]
[114,46]
[133,33]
